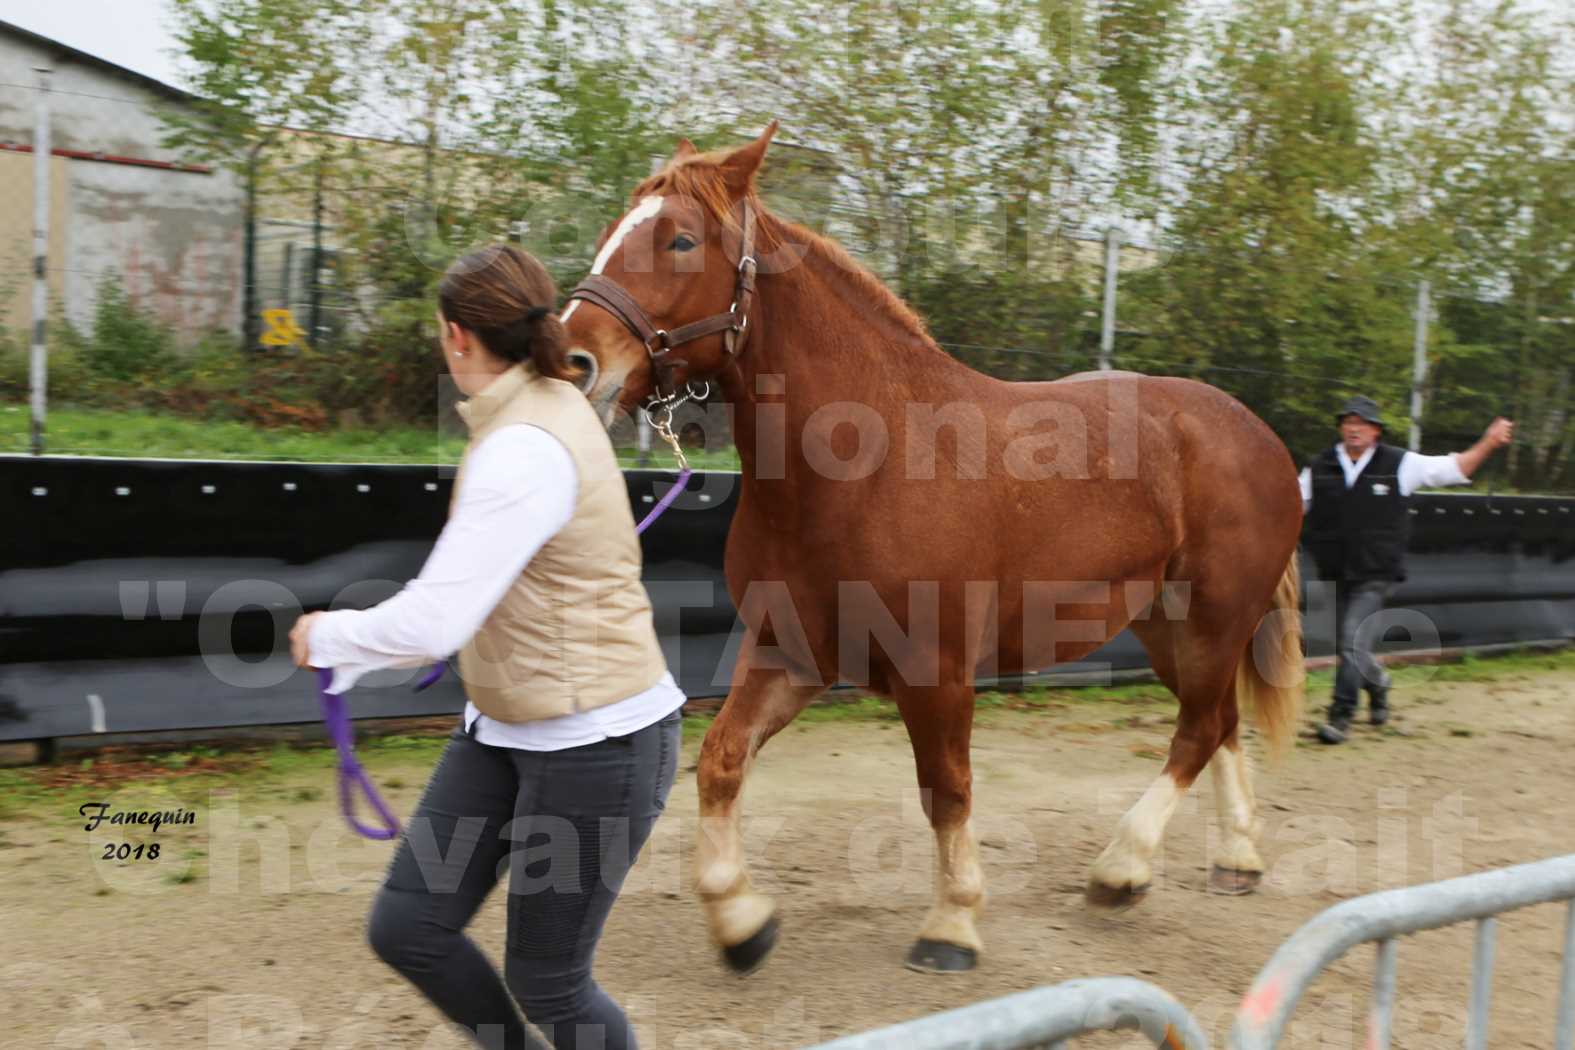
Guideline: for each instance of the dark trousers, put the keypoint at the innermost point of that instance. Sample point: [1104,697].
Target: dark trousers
[566,826]
[1356,632]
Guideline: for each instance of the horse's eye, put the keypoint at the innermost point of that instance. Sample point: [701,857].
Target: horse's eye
[682,243]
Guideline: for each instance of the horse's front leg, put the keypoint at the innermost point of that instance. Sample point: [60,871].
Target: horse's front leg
[940,725]
[761,702]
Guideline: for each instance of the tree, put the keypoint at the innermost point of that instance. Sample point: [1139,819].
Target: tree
[258,67]
[1279,285]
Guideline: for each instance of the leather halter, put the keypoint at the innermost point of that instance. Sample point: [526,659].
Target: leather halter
[659,344]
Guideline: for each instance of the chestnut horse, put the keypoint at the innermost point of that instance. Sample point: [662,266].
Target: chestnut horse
[905,523]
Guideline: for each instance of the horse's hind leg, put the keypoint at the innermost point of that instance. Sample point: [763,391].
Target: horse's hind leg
[1237,868]
[940,722]
[760,703]
[1198,661]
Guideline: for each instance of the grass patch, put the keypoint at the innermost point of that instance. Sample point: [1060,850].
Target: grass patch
[142,434]
[21,795]
[1481,668]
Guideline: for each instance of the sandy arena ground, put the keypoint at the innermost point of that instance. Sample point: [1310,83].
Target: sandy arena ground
[259,943]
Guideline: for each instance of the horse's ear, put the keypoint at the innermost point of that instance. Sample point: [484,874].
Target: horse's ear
[685,149]
[739,166]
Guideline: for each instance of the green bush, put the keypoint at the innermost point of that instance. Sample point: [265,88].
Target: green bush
[219,380]
[69,378]
[13,368]
[385,376]
[127,343]
[390,373]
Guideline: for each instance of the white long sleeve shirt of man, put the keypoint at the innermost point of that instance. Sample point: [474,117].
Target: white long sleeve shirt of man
[519,489]
[1416,471]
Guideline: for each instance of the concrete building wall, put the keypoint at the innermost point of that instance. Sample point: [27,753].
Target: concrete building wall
[171,238]
[16,240]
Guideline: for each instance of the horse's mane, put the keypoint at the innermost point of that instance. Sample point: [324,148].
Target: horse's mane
[699,177]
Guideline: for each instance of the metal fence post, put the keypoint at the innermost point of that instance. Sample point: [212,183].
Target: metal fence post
[1481,984]
[1382,1016]
[1107,330]
[1564,1026]
[38,363]
[1424,291]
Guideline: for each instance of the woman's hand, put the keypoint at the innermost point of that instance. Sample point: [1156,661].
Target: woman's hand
[1500,433]
[298,639]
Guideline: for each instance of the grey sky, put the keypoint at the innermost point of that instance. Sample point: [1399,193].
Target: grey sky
[135,33]
[130,33]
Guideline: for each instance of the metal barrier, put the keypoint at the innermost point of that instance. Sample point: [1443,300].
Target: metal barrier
[1043,1017]
[1047,1017]
[1382,917]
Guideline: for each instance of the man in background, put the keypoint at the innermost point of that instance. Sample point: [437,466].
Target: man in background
[1357,498]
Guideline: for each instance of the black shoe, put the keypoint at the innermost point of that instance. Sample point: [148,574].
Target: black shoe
[1378,706]
[1334,731]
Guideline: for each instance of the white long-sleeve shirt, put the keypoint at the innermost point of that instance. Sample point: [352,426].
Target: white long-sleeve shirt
[1416,471]
[519,489]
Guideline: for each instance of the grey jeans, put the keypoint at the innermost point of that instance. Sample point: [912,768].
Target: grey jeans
[566,826]
[1356,632]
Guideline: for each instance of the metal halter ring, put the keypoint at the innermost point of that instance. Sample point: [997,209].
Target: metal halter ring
[694,390]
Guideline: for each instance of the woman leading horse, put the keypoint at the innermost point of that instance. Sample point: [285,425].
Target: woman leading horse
[906,524]
[569,742]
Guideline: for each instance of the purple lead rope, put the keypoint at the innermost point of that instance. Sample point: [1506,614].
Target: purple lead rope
[665,502]
[337,716]
[351,776]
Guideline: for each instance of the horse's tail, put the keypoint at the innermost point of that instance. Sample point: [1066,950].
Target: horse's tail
[1272,675]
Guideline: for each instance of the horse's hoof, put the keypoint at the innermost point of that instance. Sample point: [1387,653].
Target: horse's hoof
[927,956]
[746,956]
[1232,882]
[1115,898]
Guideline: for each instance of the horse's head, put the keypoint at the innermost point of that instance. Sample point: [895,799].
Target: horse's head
[667,300]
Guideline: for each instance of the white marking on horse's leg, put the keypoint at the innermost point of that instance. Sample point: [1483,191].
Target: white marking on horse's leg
[1125,862]
[734,911]
[1234,799]
[959,888]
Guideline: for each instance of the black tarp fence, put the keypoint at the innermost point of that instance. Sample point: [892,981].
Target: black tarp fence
[142,595]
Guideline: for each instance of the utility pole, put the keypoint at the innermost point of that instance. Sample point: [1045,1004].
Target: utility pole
[38,365]
[1424,290]
[1107,331]
[642,438]
[316,290]
[251,334]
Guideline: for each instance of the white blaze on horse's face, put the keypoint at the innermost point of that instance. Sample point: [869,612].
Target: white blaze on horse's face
[646,209]
[607,378]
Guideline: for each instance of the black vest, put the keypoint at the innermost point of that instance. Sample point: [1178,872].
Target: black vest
[1359,533]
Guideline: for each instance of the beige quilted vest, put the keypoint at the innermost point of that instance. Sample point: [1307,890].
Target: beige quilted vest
[574,631]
